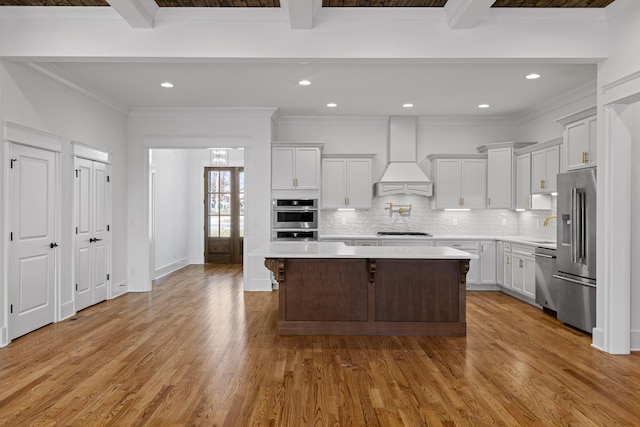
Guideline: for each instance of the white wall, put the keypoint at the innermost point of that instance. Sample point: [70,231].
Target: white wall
[200,128]
[635,230]
[32,100]
[540,125]
[171,208]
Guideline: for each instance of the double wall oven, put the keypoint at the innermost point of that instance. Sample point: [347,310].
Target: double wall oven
[294,220]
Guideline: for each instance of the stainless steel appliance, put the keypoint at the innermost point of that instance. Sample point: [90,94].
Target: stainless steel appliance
[546,284]
[295,213]
[576,262]
[294,220]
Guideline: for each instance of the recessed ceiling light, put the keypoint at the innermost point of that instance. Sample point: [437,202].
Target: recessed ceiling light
[407,105]
[532,76]
[332,105]
[483,106]
[166,84]
[304,82]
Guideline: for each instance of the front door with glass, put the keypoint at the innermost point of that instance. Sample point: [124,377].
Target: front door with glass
[224,215]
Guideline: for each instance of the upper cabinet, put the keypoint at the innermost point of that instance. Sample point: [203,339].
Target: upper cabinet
[295,167]
[545,165]
[500,173]
[346,182]
[461,181]
[523,181]
[580,139]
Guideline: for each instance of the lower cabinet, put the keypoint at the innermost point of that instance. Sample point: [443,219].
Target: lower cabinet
[473,247]
[500,263]
[523,270]
[406,243]
[506,266]
[488,262]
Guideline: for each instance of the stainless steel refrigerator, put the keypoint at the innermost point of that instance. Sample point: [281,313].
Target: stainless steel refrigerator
[576,254]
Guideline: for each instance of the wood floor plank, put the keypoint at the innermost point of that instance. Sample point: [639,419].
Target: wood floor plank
[198,350]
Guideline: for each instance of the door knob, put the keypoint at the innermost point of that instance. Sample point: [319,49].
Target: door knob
[53,245]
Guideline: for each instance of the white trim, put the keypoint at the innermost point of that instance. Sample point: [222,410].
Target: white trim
[90,153]
[67,79]
[67,310]
[242,113]
[169,268]
[25,135]
[186,142]
[613,294]
[635,340]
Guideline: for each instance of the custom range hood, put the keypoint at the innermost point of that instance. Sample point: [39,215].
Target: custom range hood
[403,175]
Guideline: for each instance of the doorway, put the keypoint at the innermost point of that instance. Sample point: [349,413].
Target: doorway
[224,214]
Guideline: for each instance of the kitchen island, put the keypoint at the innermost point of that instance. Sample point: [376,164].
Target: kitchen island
[328,288]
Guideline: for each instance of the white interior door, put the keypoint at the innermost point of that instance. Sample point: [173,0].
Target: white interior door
[32,246]
[84,239]
[100,232]
[92,233]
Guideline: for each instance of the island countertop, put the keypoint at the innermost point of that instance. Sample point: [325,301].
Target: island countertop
[340,250]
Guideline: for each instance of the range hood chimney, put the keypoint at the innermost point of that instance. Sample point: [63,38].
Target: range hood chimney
[403,175]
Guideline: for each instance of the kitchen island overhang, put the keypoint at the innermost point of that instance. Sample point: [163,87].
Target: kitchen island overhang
[333,289]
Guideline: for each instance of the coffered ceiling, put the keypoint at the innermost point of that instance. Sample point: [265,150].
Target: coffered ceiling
[325,3]
[252,54]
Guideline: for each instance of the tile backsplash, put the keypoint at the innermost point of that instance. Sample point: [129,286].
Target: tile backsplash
[484,222]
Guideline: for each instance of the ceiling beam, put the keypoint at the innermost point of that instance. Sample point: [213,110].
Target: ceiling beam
[301,12]
[137,13]
[465,14]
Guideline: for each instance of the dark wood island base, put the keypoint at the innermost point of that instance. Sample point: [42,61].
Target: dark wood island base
[329,296]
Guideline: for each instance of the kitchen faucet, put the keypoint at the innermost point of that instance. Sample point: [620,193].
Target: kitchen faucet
[549,218]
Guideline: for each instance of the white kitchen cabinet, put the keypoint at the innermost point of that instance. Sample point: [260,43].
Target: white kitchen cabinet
[523,271]
[460,182]
[406,242]
[500,263]
[507,261]
[545,165]
[473,275]
[580,139]
[488,262]
[365,242]
[523,181]
[346,183]
[295,167]
[499,178]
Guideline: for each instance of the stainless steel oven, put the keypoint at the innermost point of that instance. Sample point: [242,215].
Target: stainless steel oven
[295,214]
[294,220]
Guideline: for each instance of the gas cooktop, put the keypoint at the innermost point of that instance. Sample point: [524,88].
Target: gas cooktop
[402,233]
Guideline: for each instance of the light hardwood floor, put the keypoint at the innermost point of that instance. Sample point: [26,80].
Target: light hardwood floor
[197,350]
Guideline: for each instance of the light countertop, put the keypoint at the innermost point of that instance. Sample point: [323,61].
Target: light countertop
[340,250]
[523,240]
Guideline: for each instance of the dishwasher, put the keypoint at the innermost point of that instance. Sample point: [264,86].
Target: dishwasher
[546,284]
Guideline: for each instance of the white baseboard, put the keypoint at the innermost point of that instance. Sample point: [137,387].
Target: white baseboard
[67,310]
[138,285]
[170,268]
[597,339]
[4,337]
[118,289]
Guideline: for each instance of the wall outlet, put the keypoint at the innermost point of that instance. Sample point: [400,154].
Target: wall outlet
[344,221]
[454,221]
[504,221]
[537,223]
